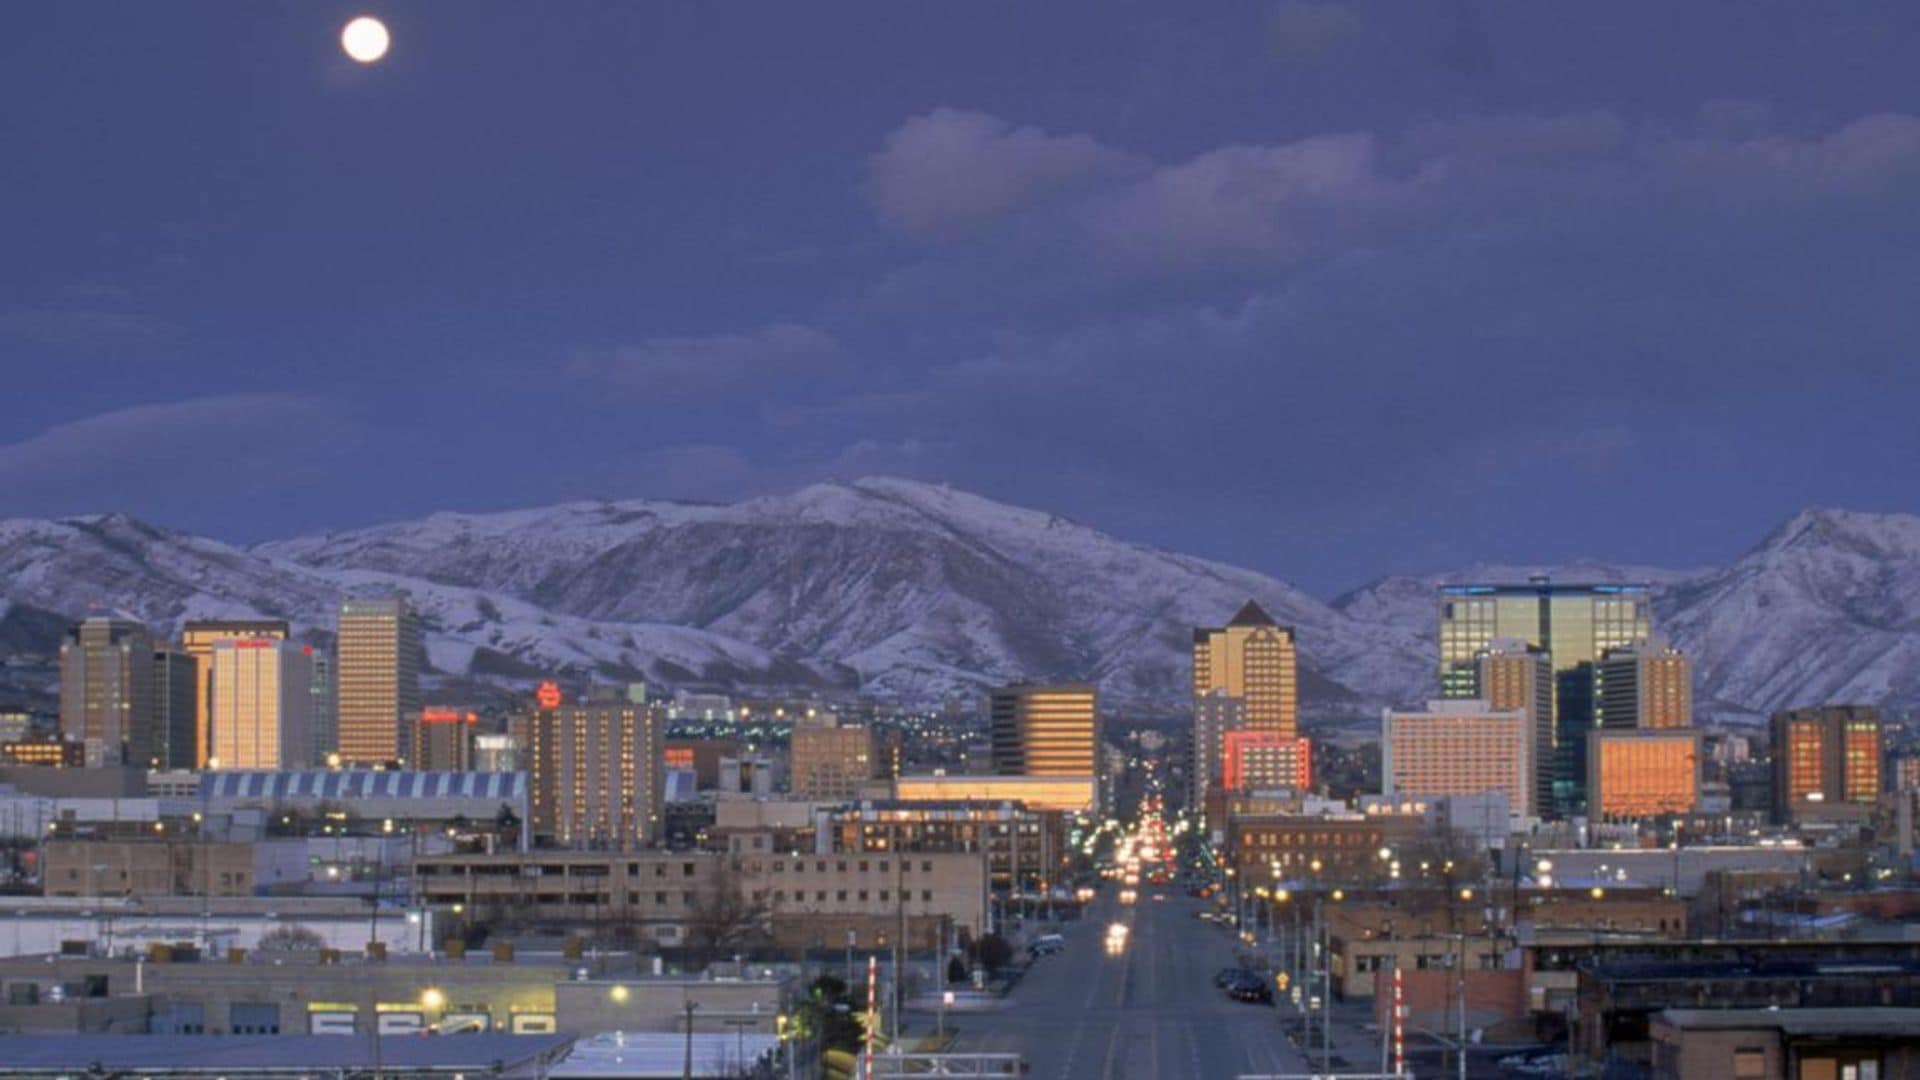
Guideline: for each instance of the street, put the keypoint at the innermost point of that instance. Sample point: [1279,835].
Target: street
[1151,1011]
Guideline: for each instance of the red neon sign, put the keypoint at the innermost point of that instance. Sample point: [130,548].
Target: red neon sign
[548,695]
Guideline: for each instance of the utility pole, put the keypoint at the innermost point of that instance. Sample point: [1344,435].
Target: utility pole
[686,1064]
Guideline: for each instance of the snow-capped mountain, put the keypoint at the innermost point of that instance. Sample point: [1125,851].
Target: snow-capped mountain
[921,589]
[920,592]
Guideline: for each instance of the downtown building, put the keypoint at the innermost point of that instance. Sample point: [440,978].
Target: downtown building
[1459,748]
[1574,625]
[1246,677]
[595,770]
[377,680]
[108,700]
[260,704]
[830,761]
[1047,733]
[1648,684]
[1826,763]
[1643,772]
[197,639]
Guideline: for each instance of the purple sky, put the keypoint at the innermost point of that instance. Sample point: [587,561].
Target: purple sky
[1326,289]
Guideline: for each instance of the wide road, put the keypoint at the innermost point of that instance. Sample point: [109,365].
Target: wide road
[1151,1012]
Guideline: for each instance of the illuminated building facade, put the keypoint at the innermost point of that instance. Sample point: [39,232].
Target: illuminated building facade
[1264,761]
[1645,685]
[1044,730]
[1826,762]
[107,697]
[261,695]
[1252,658]
[596,772]
[1641,773]
[1072,794]
[197,638]
[1515,675]
[1459,748]
[377,679]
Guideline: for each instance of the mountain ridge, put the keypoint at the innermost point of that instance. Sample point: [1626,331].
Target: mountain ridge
[922,592]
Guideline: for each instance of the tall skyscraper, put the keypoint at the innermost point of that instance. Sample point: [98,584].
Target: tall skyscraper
[595,770]
[261,691]
[1645,685]
[1044,730]
[1826,762]
[1251,658]
[830,760]
[197,638]
[1459,747]
[377,680]
[1515,675]
[106,690]
[1574,624]
[176,702]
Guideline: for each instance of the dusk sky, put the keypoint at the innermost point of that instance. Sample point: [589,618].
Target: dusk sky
[1326,289]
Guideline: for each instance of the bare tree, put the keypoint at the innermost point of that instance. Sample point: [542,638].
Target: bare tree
[292,937]
[725,917]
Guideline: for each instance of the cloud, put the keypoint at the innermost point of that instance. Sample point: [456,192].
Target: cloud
[179,459]
[87,329]
[751,364]
[950,171]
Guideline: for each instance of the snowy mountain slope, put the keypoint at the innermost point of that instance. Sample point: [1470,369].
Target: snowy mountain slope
[79,564]
[919,587]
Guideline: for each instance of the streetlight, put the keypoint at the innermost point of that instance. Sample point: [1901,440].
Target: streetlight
[433,999]
[619,994]
[946,1002]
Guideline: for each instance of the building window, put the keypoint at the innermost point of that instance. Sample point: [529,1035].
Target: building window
[1749,1061]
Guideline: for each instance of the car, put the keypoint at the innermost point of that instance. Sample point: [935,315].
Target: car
[1226,977]
[1040,949]
[1250,987]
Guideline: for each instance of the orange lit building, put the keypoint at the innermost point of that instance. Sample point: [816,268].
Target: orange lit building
[1826,762]
[1460,747]
[52,752]
[1044,730]
[1264,761]
[1251,658]
[377,674]
[594,771]
[1643,773]
[197,639]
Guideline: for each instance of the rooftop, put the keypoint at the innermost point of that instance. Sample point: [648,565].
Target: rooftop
[290,1054]
[1882,1021]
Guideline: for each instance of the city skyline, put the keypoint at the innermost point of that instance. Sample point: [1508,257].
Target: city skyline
[1081,237]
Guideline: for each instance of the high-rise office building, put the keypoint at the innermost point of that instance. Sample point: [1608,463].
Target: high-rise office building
[1826,762]
[1515,675]
[1644,685]
[377,679]
[1574,624]
[325,725]
[197,638]
[261,692]
[1643,772]
[106,690]
[830,760]
[1251,658]
[594,769]
[1459,747]
[176,702]
[1044,730]
[1215,714]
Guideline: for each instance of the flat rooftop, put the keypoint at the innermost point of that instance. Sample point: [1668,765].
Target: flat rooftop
[1880,1021]
[292,1055]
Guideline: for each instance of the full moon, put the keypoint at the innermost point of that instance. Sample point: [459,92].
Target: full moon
[365,39]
